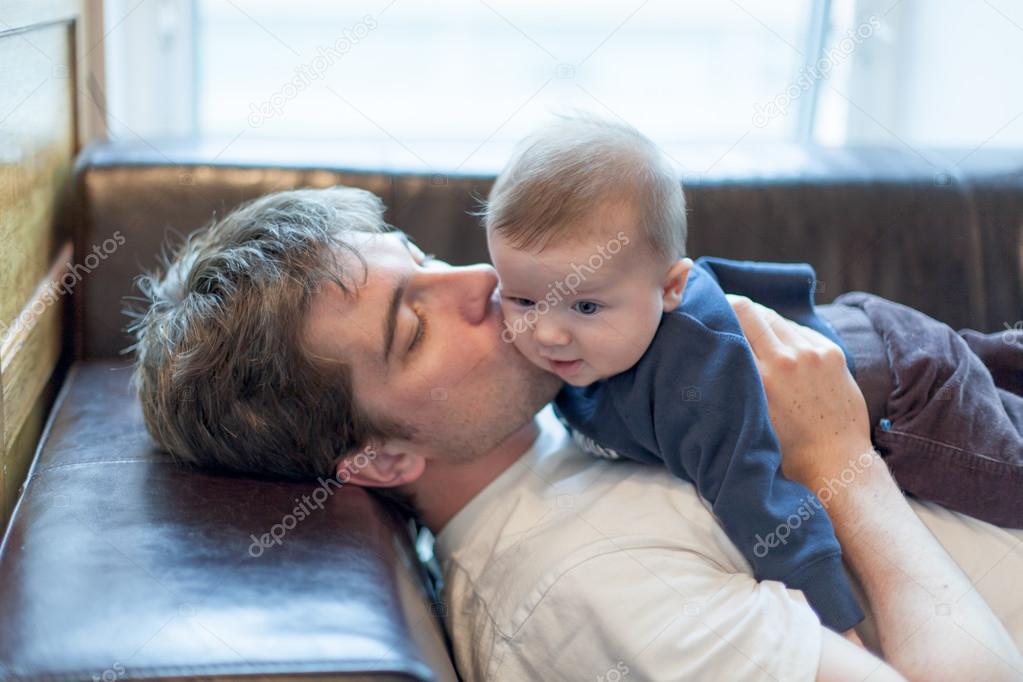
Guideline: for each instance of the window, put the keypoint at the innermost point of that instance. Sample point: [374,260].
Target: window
[453,83]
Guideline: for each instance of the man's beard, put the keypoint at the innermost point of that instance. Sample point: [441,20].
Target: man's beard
[510,408]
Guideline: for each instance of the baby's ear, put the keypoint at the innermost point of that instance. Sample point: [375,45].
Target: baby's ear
[675,283]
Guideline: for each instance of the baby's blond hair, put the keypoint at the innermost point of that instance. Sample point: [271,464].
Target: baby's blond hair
[569,168]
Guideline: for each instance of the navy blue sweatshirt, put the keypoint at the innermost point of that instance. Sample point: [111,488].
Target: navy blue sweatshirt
[695,403]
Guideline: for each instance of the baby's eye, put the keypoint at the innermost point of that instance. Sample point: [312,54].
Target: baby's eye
[586,307]
[524,302]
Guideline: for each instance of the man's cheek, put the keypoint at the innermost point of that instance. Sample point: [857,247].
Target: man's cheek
[524,344]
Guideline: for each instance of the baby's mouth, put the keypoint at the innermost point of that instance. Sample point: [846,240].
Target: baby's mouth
[565,368]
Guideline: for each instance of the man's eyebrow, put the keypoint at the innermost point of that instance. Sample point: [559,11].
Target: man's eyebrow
[391,318]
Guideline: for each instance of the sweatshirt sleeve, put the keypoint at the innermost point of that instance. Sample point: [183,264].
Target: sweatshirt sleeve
[711,426]
[786,288]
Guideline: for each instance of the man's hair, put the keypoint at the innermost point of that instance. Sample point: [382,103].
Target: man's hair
[221,371]
[566,170]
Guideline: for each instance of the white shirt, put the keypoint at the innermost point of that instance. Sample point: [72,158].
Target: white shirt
[571,567]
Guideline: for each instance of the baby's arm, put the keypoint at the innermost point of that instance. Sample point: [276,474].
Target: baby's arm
[713,428]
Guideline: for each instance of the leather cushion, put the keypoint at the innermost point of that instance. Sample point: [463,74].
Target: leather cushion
[119,563]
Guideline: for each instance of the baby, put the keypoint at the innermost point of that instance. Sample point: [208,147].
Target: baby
[586,227]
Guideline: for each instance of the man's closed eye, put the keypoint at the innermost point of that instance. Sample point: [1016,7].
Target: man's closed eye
[420,331]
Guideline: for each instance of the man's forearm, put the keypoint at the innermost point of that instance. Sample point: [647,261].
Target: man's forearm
[932,623]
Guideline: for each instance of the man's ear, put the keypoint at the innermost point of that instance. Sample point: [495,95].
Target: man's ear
[675,283]
[380,467]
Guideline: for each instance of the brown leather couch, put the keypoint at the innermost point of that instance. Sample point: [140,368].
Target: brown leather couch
[118,564]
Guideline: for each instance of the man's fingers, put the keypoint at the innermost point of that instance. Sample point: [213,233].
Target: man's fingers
[816,340]
[755,325]
[769,334]
[787,331]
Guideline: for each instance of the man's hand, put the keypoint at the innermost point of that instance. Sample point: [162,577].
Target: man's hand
[816,408]
[931,622]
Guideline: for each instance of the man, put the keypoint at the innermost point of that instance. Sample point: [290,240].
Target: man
[294,333]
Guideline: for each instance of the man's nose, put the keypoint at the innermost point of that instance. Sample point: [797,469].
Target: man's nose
[469,289]
[549,333]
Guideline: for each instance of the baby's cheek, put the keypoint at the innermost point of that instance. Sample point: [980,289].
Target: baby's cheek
[619,351]
[515,328]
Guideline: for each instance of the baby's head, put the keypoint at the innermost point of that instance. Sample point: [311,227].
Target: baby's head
[587,228]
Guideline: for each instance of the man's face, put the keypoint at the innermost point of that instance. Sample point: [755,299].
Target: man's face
[423,341]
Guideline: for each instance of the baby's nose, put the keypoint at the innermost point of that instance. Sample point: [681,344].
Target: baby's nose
[550,334]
